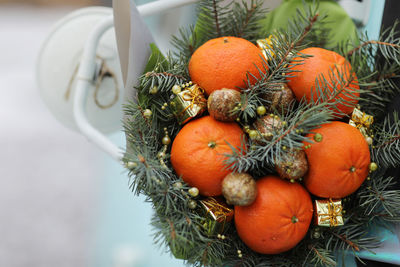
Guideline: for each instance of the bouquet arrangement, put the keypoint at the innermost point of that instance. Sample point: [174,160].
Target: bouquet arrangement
[266,148]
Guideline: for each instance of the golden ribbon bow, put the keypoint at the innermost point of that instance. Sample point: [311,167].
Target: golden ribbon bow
[361,119]
[194,94]
[334,211]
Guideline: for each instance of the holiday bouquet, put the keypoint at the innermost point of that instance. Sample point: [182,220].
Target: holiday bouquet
[266,148]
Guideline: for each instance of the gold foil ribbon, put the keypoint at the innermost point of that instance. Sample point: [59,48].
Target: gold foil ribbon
[194,94]
[361,121]
[331,212]
[188,103]
[266,46]
[218,210]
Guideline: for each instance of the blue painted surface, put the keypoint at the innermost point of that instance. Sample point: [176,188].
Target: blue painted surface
[373,26]
[123,231]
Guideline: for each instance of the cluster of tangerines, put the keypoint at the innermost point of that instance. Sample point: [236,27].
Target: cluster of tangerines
[276,214]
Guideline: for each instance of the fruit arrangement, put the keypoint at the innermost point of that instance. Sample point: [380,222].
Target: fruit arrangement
[260,150]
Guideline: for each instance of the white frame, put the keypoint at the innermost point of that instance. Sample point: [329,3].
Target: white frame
[87,70]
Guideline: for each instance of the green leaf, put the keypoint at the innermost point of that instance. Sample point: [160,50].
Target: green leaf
[155,57]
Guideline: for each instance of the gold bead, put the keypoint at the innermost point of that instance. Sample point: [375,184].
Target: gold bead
[373,166]
[284,123]
[161,154]
[284,148]
[194,191]
[131,165]
[261,110]
[154,90]
[292,181]
[238,119]
[147,113]
[246,128]
[178,185]
[163,107]
[166,140]
[176,89]
[253,134]
[192,204]
[318,137]
[369,140]
[316,235]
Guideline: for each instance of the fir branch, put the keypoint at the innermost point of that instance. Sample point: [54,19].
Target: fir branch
[338,90]
[386,149]
[297,123]
[380,199]
[211,23]
[377,65]
[353,235]
[350,53]
[321,257]
[244,20]
[307,29]
[277,67]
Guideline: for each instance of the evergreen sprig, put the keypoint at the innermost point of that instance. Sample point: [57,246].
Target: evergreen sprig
[377,66]
[289,132]
[379,199]
[386,151]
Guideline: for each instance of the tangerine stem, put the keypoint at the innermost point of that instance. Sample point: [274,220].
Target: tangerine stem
[212,144]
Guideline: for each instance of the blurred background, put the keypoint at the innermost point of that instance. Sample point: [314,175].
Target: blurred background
[63,202]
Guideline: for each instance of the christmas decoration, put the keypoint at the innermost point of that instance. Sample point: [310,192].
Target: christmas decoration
[239,189]
[188,103]
[261,110]
[222,103]
[362,122]
[198,150]
[235,58]
[341,171]
[268,126]
[176,165]
[292,165]
[266,46]
[281,96]
[278,219]
[217,209]
[329,212]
